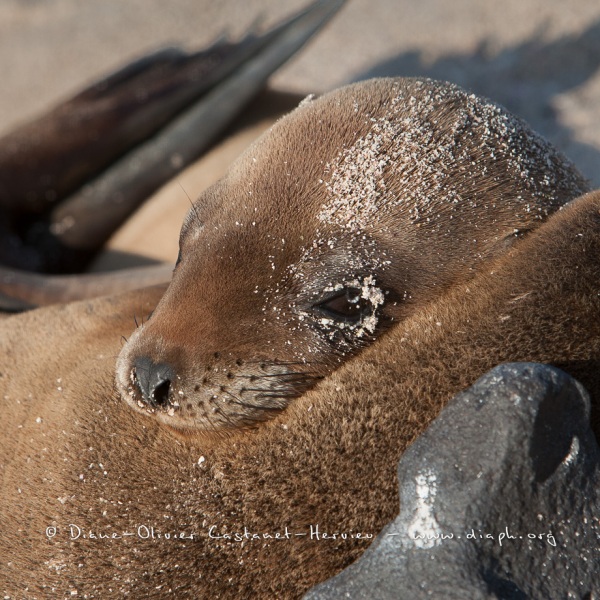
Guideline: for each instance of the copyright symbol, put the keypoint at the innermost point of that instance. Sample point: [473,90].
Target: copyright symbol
[50,532]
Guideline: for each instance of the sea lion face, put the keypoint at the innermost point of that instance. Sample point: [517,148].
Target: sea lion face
[349,214]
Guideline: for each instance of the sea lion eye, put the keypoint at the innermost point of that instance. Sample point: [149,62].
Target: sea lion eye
[347,305]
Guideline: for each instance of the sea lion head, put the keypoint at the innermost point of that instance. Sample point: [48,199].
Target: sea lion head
[346,216]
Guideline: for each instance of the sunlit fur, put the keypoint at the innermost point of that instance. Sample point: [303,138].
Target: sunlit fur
[329,459]
[398,187]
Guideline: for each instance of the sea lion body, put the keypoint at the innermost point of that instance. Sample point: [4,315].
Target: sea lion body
[348,215]
[74,453]
[101,497]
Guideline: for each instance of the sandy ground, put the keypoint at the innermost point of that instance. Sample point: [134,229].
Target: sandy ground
[540,58]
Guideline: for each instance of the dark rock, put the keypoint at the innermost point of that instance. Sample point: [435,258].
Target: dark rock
[512,458]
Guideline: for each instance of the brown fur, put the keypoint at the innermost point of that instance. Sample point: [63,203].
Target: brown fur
[73,453]
[396,189]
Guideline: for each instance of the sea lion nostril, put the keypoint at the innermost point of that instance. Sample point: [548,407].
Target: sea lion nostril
[153,381]
[161,392]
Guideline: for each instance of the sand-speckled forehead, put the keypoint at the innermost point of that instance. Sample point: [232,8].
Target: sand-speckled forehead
[419,148]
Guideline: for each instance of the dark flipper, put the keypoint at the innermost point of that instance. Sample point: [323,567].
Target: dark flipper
[46,159]
[65,237]
[20,290]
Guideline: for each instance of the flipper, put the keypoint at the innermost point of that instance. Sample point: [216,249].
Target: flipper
[21,290]
[64,234]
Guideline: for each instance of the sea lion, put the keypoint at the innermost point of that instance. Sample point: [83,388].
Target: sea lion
[78,463]
[347,216]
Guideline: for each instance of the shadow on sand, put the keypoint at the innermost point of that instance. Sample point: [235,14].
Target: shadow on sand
[526,79]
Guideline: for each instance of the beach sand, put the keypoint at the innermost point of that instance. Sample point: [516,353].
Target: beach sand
[539,58]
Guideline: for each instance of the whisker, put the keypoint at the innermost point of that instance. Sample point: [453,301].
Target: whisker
[292,375]
[244,404]
[271,395]
[198,221]
[277,363]
[261,390]
[218,411]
